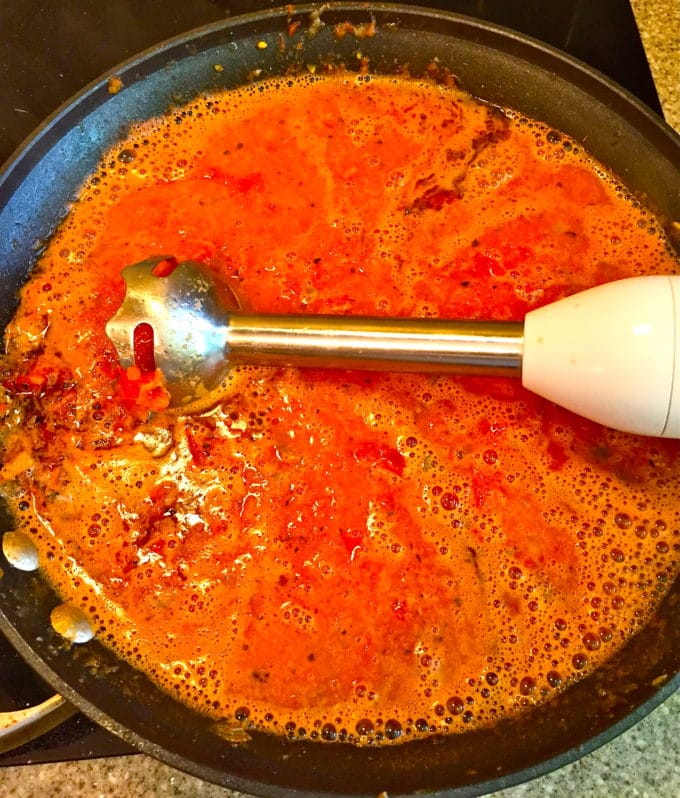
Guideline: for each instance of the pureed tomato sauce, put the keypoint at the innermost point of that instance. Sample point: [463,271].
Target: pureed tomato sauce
[342,555]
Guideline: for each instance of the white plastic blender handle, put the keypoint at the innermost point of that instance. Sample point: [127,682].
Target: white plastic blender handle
[611,354]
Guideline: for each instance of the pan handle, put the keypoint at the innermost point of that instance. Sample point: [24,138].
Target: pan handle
[24,725]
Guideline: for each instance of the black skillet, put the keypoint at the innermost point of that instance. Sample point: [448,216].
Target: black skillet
[36,189]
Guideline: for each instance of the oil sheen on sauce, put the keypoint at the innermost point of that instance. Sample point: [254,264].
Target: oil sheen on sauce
[341,555]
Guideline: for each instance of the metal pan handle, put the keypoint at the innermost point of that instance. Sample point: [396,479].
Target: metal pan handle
[24,725]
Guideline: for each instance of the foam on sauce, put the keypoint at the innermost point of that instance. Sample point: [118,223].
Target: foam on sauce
[340,555]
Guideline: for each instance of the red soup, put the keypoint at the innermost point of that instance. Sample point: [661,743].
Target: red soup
[351,556]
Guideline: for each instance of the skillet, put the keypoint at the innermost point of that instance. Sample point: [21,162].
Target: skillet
[502,67]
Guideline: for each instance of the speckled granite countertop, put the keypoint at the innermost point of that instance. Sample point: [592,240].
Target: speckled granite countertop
[643,762]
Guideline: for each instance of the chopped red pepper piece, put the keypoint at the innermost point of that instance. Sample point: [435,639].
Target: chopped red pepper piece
[381,456]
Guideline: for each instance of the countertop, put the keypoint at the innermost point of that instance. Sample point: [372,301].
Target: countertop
[645,761]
